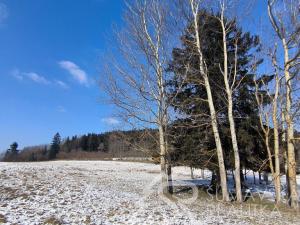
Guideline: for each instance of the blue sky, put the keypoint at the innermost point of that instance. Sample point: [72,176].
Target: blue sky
[50,58]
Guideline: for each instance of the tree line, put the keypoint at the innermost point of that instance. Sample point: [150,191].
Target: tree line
[133,143]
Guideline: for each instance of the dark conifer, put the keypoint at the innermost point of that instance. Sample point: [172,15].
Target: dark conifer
[55,146]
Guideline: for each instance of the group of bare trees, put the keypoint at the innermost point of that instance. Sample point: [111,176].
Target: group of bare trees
[281,113]
[137,76]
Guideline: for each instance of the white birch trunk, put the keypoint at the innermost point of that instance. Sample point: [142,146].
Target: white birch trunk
[163,162]
[291,159]
[277,182]
[230,115]
[213,115]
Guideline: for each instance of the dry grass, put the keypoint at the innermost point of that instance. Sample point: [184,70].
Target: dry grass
[52,221]
[11,193]
[83,155]
[88,220]
[2,219]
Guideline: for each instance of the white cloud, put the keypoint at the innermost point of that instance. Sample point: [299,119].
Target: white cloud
[110,121]
[77,73]
[3,12]
[61,84]
[37,78]
[61,109]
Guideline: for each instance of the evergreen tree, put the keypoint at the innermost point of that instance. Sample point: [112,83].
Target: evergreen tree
[195,145]
[55,146]
[14,148]
[84,143]
[12,153]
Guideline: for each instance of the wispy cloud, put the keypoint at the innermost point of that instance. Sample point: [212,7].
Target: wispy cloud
[78,74]
[110,121]
[61,109]
[3,12]
[62,84]
[37,78]
[33,76]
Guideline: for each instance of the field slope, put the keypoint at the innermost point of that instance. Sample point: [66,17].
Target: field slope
[109,192]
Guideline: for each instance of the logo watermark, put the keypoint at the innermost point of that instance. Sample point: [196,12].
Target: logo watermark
[192,199]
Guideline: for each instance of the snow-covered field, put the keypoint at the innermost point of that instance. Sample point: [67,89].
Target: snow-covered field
[112,192]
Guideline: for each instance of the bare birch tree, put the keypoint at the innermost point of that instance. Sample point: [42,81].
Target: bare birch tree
[229,87]
[285,19]
[136,79]
[275,119]
[268,113]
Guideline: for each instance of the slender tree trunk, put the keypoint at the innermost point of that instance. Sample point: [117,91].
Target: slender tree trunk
[214,123]
[212,110]
[288,193]
[230,115]
[192,172]
[170,180]
[163,162]
[242,178]
[254,178]
[169,161]
[236,153]
[291,159]
[259,177]
[267,142]
[277,183]
[283,140]
[202,174]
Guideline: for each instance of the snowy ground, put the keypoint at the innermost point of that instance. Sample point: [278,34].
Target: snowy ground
[111,192]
